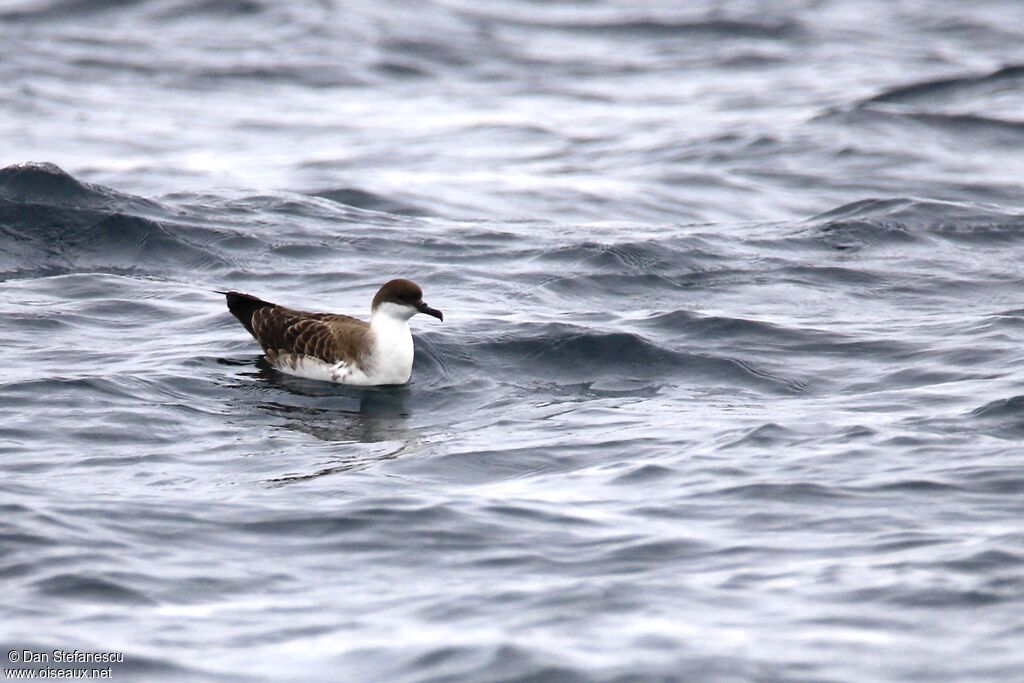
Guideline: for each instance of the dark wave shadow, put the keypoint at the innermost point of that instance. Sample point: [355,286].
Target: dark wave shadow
[903,221]
[941,90]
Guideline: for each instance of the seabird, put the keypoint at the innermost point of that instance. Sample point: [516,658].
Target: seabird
[338,348]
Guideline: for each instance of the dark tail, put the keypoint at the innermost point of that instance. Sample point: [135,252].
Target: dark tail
[242,306]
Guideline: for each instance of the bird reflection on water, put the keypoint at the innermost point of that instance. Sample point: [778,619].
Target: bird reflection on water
[342,415]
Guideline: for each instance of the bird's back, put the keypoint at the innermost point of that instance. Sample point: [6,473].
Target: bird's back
[288,335]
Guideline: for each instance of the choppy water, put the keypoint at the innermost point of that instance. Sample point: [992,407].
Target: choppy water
[730,382]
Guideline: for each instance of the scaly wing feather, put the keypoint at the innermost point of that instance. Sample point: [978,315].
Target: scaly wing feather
[324,336]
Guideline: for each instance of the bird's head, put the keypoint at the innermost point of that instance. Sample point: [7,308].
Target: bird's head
[402,299]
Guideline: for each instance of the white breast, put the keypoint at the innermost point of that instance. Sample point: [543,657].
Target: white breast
[391,352]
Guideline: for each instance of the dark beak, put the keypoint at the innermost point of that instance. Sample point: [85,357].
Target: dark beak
[422,307]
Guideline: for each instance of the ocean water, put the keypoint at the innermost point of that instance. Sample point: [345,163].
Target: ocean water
[730,385]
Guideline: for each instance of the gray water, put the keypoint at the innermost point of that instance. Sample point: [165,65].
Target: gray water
[729,385]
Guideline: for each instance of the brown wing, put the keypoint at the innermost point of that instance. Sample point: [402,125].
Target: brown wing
[331,338]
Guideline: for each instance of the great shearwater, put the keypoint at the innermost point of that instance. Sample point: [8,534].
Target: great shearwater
[338,348]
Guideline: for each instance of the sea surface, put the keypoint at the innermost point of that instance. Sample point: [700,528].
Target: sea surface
[730,385]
